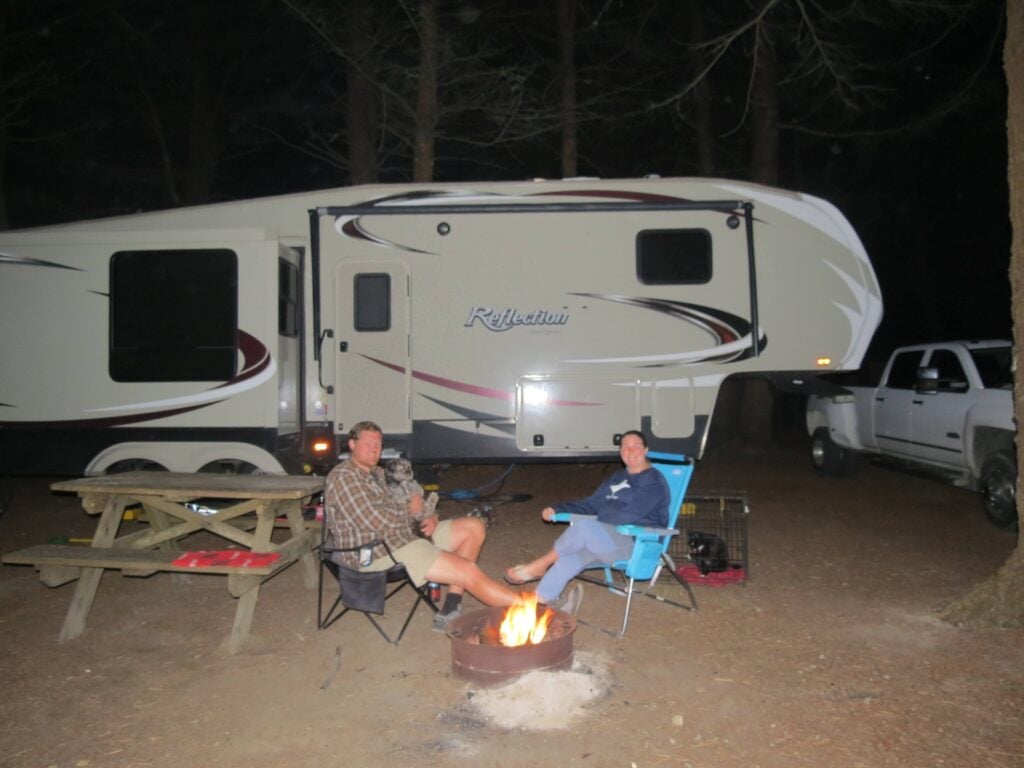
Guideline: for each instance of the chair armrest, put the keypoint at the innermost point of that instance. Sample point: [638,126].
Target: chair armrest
[563,517]
[642,530]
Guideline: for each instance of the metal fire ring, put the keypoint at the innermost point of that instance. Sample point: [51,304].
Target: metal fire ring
[489,665]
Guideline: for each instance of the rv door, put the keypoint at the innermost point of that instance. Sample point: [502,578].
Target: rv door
[371,345]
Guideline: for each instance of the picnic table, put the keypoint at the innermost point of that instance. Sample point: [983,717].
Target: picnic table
[239,508]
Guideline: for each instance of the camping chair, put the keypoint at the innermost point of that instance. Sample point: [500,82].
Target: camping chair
[650,547]
[363,591]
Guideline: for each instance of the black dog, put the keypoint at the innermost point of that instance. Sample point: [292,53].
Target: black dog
[708,551]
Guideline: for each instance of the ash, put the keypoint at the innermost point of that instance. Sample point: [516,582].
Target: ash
[545,701]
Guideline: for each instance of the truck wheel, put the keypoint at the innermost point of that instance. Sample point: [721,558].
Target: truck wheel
[830,459]
[999,489]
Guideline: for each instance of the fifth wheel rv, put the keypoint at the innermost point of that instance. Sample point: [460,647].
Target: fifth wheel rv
[520,321]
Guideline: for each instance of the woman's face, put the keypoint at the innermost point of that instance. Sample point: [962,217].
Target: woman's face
[633,453]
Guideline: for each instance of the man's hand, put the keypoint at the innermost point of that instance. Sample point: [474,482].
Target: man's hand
[428,525]
[415,506]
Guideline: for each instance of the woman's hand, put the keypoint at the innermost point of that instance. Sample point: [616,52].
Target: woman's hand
[548,513]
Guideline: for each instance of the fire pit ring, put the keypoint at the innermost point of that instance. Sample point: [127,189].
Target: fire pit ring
[490,664]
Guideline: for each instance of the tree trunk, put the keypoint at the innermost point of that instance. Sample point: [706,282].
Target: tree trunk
[703,120]
[361,118]
[426,99]
[757,408]
[999,601]
[203,145]
[567,78]
[4,214]
[764,113]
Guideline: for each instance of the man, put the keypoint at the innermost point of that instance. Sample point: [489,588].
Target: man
[360,507]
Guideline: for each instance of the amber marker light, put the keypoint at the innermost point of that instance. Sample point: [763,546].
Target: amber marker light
[321,446]
[824,362]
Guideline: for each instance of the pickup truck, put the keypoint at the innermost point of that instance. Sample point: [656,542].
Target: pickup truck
[945,408]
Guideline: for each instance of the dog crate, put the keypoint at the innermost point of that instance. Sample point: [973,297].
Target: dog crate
[711,547]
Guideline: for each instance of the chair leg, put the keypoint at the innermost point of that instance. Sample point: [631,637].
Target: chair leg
[629,601]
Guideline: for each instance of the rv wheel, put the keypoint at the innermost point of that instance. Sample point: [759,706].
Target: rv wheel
[6,493]
[231,467]
[134,465]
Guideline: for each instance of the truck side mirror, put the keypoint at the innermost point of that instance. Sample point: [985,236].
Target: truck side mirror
[927,381]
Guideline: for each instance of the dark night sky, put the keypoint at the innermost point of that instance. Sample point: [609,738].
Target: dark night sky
[919,167]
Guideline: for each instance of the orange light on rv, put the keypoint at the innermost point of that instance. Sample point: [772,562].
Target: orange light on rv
[321,446]
[824,362]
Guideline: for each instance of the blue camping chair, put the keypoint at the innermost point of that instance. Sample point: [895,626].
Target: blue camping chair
[650,548]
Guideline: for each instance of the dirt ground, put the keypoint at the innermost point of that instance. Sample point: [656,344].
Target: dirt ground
[830,655]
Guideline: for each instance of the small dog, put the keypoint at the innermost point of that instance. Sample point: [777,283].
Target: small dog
[708,551]
[403,486]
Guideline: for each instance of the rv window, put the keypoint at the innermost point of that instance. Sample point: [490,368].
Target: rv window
[673,256]
[372,302]
[287,298]
[173,315]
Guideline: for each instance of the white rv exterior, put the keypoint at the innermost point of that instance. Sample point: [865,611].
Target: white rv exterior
[485,322]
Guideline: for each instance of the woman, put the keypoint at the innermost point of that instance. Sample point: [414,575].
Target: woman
[635,495]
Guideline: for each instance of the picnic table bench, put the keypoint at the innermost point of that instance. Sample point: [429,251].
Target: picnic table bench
[168,499]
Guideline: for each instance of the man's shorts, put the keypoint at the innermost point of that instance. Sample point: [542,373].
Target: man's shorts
[419,555]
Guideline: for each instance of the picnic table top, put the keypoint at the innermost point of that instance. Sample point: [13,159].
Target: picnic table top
[197,484]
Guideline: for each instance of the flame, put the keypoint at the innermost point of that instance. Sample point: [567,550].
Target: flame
[521,624]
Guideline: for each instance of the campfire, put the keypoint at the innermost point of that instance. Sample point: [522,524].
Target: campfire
[521,624]
[494,645]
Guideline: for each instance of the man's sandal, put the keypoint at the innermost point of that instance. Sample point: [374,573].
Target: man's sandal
[517,575]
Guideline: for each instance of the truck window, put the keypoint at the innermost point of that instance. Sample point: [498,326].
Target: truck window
[173,315]
[372,302]
[951,374]
[903,373]
[673,256]
[995,366]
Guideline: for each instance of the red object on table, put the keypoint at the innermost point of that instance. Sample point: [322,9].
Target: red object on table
[239,558]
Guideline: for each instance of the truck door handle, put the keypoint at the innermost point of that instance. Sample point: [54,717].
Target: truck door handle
[917,402]
[953,435]
[879,399]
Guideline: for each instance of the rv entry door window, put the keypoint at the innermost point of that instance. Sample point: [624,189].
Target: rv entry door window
[372,302]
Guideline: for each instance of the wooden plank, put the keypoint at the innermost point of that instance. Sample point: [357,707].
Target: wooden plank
[125,559]
[196,485]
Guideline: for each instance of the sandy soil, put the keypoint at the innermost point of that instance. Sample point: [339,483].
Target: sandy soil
[830,654]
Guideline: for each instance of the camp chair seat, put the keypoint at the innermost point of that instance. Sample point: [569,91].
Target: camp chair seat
[364,592]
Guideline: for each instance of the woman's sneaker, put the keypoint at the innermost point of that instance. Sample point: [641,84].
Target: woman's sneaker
[571,602]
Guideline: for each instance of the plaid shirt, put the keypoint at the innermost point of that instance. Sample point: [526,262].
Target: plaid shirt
[359,507]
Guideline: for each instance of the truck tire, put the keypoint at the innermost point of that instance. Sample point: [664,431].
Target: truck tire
[999,489]
[830,459]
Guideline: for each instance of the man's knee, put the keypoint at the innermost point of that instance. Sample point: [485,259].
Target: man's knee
[469,529]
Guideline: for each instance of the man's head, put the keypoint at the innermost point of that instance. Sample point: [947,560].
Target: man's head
[365,443]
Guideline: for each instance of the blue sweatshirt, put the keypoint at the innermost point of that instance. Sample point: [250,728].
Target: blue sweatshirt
[625,499]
